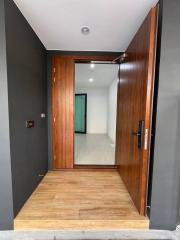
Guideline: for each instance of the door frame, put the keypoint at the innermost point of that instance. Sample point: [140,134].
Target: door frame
[84,58]
[83,94]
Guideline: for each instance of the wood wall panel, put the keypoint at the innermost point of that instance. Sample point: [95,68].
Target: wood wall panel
[135,97]
[63,112]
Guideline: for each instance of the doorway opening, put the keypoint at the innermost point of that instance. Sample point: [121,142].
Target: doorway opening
[96,85]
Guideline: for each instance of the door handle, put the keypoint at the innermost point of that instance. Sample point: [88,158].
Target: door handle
[140,134]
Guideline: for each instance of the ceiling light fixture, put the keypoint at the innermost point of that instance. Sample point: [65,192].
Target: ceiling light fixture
[92,65]
[85,30]
[91,80]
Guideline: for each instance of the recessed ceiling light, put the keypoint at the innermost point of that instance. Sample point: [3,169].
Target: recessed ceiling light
[92,65]
[85,30]
[91,80]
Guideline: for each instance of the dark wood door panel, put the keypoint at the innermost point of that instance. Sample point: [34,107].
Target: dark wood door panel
[63,112]
[135,95]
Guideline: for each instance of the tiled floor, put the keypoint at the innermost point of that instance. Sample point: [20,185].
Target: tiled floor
[94,149]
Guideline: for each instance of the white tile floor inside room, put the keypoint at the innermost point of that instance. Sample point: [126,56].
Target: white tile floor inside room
[94,149]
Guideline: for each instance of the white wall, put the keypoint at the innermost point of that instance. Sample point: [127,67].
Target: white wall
[97,108]
[112,108]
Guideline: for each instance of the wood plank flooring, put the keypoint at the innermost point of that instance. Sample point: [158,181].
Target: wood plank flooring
[80,199]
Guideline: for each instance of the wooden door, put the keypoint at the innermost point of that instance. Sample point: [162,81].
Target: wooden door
[63,111]
[135,96]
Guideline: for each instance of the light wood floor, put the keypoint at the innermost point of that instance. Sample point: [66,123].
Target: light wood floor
[80,199]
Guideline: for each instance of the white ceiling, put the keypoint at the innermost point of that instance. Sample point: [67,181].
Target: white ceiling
[103,75]
[58,23]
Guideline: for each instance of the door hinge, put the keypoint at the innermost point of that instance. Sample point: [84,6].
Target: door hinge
[54,79]
[54,119]
[54,70]
[54,157]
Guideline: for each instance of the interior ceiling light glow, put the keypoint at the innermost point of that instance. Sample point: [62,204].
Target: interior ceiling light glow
[92,65]
[85,30]
[91,80]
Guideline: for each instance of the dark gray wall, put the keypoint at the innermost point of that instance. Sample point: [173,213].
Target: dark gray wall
[6,204]
[165,198]
[26,71]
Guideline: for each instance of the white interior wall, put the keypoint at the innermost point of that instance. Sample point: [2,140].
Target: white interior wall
[112,109]
[97,108]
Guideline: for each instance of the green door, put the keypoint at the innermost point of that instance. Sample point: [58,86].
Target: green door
[80,113]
